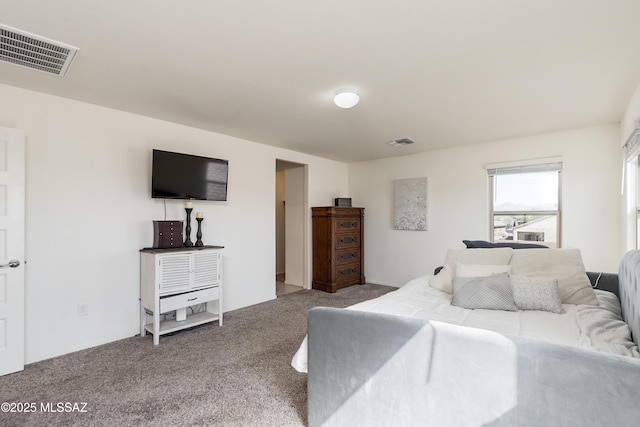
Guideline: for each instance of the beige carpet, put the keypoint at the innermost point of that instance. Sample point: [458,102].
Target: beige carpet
[235,375]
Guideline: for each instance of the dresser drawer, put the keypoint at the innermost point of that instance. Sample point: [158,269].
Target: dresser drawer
[346,224]
[344,241]
[187,299]
[348,273]
[348,256]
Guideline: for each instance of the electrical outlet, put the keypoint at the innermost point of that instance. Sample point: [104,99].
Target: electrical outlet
[83,309]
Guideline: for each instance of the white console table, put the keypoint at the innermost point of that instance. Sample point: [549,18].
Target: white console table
[176,279]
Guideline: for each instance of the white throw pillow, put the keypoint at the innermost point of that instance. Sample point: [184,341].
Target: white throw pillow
[492,256]
[536,293]
[563,264]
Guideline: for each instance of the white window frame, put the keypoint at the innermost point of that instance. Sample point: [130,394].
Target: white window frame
[632,159]
[636,162]
[525,166]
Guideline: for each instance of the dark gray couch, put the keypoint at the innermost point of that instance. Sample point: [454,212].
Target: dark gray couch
[369,369]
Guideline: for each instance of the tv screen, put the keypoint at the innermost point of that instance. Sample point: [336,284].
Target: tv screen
[184,176]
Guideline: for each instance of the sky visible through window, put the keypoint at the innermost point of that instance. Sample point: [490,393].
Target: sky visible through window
[526,191]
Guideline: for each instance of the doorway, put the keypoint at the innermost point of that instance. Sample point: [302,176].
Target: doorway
[291,227]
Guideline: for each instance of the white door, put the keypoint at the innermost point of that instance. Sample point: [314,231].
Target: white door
[12,192]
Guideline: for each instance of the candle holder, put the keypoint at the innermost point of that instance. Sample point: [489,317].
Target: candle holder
[199,232]
[187,242]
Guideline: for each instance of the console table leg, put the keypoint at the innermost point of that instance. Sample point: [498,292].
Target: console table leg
[220,310]
[143,320]
[156,329]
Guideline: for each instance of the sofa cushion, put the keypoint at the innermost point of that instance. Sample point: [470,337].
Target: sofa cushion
[562,264]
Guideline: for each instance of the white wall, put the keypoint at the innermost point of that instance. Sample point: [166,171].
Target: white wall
[458,200]
[89,211]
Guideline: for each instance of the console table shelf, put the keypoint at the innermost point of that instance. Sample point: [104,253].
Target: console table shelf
[168,326]
[175,279]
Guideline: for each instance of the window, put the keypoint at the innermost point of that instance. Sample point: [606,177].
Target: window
[631,179]
[525,201]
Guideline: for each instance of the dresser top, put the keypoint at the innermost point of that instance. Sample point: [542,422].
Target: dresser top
[336,210]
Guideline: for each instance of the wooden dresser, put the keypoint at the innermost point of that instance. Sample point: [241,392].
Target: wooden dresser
[338,247]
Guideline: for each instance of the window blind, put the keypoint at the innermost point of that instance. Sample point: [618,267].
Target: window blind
[632,146]
[525,166]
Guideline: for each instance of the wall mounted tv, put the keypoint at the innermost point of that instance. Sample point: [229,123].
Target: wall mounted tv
[185,176]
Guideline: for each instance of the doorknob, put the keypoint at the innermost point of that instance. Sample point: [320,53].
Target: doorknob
[13,264]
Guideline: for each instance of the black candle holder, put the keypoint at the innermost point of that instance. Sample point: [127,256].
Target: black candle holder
[199,232]
[187,242]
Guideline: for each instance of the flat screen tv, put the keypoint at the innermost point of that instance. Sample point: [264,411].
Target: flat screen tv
[185,176]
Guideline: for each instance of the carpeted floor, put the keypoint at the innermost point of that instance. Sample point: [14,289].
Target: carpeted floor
[235,375]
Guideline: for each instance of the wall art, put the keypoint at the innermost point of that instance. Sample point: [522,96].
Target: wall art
[411,204]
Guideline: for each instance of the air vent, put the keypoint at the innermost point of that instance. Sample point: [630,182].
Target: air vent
[35,52]
[400,142]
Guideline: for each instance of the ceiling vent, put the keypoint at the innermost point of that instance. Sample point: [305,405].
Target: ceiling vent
[35,52]
[400,142]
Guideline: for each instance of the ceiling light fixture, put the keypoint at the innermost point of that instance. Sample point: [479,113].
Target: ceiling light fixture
[400,142]
[346,98]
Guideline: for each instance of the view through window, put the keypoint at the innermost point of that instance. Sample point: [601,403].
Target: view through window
[525,204]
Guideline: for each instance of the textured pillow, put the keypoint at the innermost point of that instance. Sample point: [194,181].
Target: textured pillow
[480,270]
[536,293]
[475,244]
[490,292]
[562,264]
[495,256]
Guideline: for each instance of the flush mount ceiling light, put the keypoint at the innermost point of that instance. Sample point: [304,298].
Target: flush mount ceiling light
[346,98]
[400,142]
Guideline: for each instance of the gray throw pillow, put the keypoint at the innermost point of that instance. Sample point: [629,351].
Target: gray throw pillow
[490,292]
[536,293]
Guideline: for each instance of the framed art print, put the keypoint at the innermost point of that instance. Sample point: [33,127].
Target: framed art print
[410,204]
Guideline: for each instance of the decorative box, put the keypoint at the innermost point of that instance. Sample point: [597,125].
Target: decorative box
[343,202]
[167,234]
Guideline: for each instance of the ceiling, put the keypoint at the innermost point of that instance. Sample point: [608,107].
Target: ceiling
[441,72]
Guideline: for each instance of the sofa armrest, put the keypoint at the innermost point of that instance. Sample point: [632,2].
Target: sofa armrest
[376,370]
